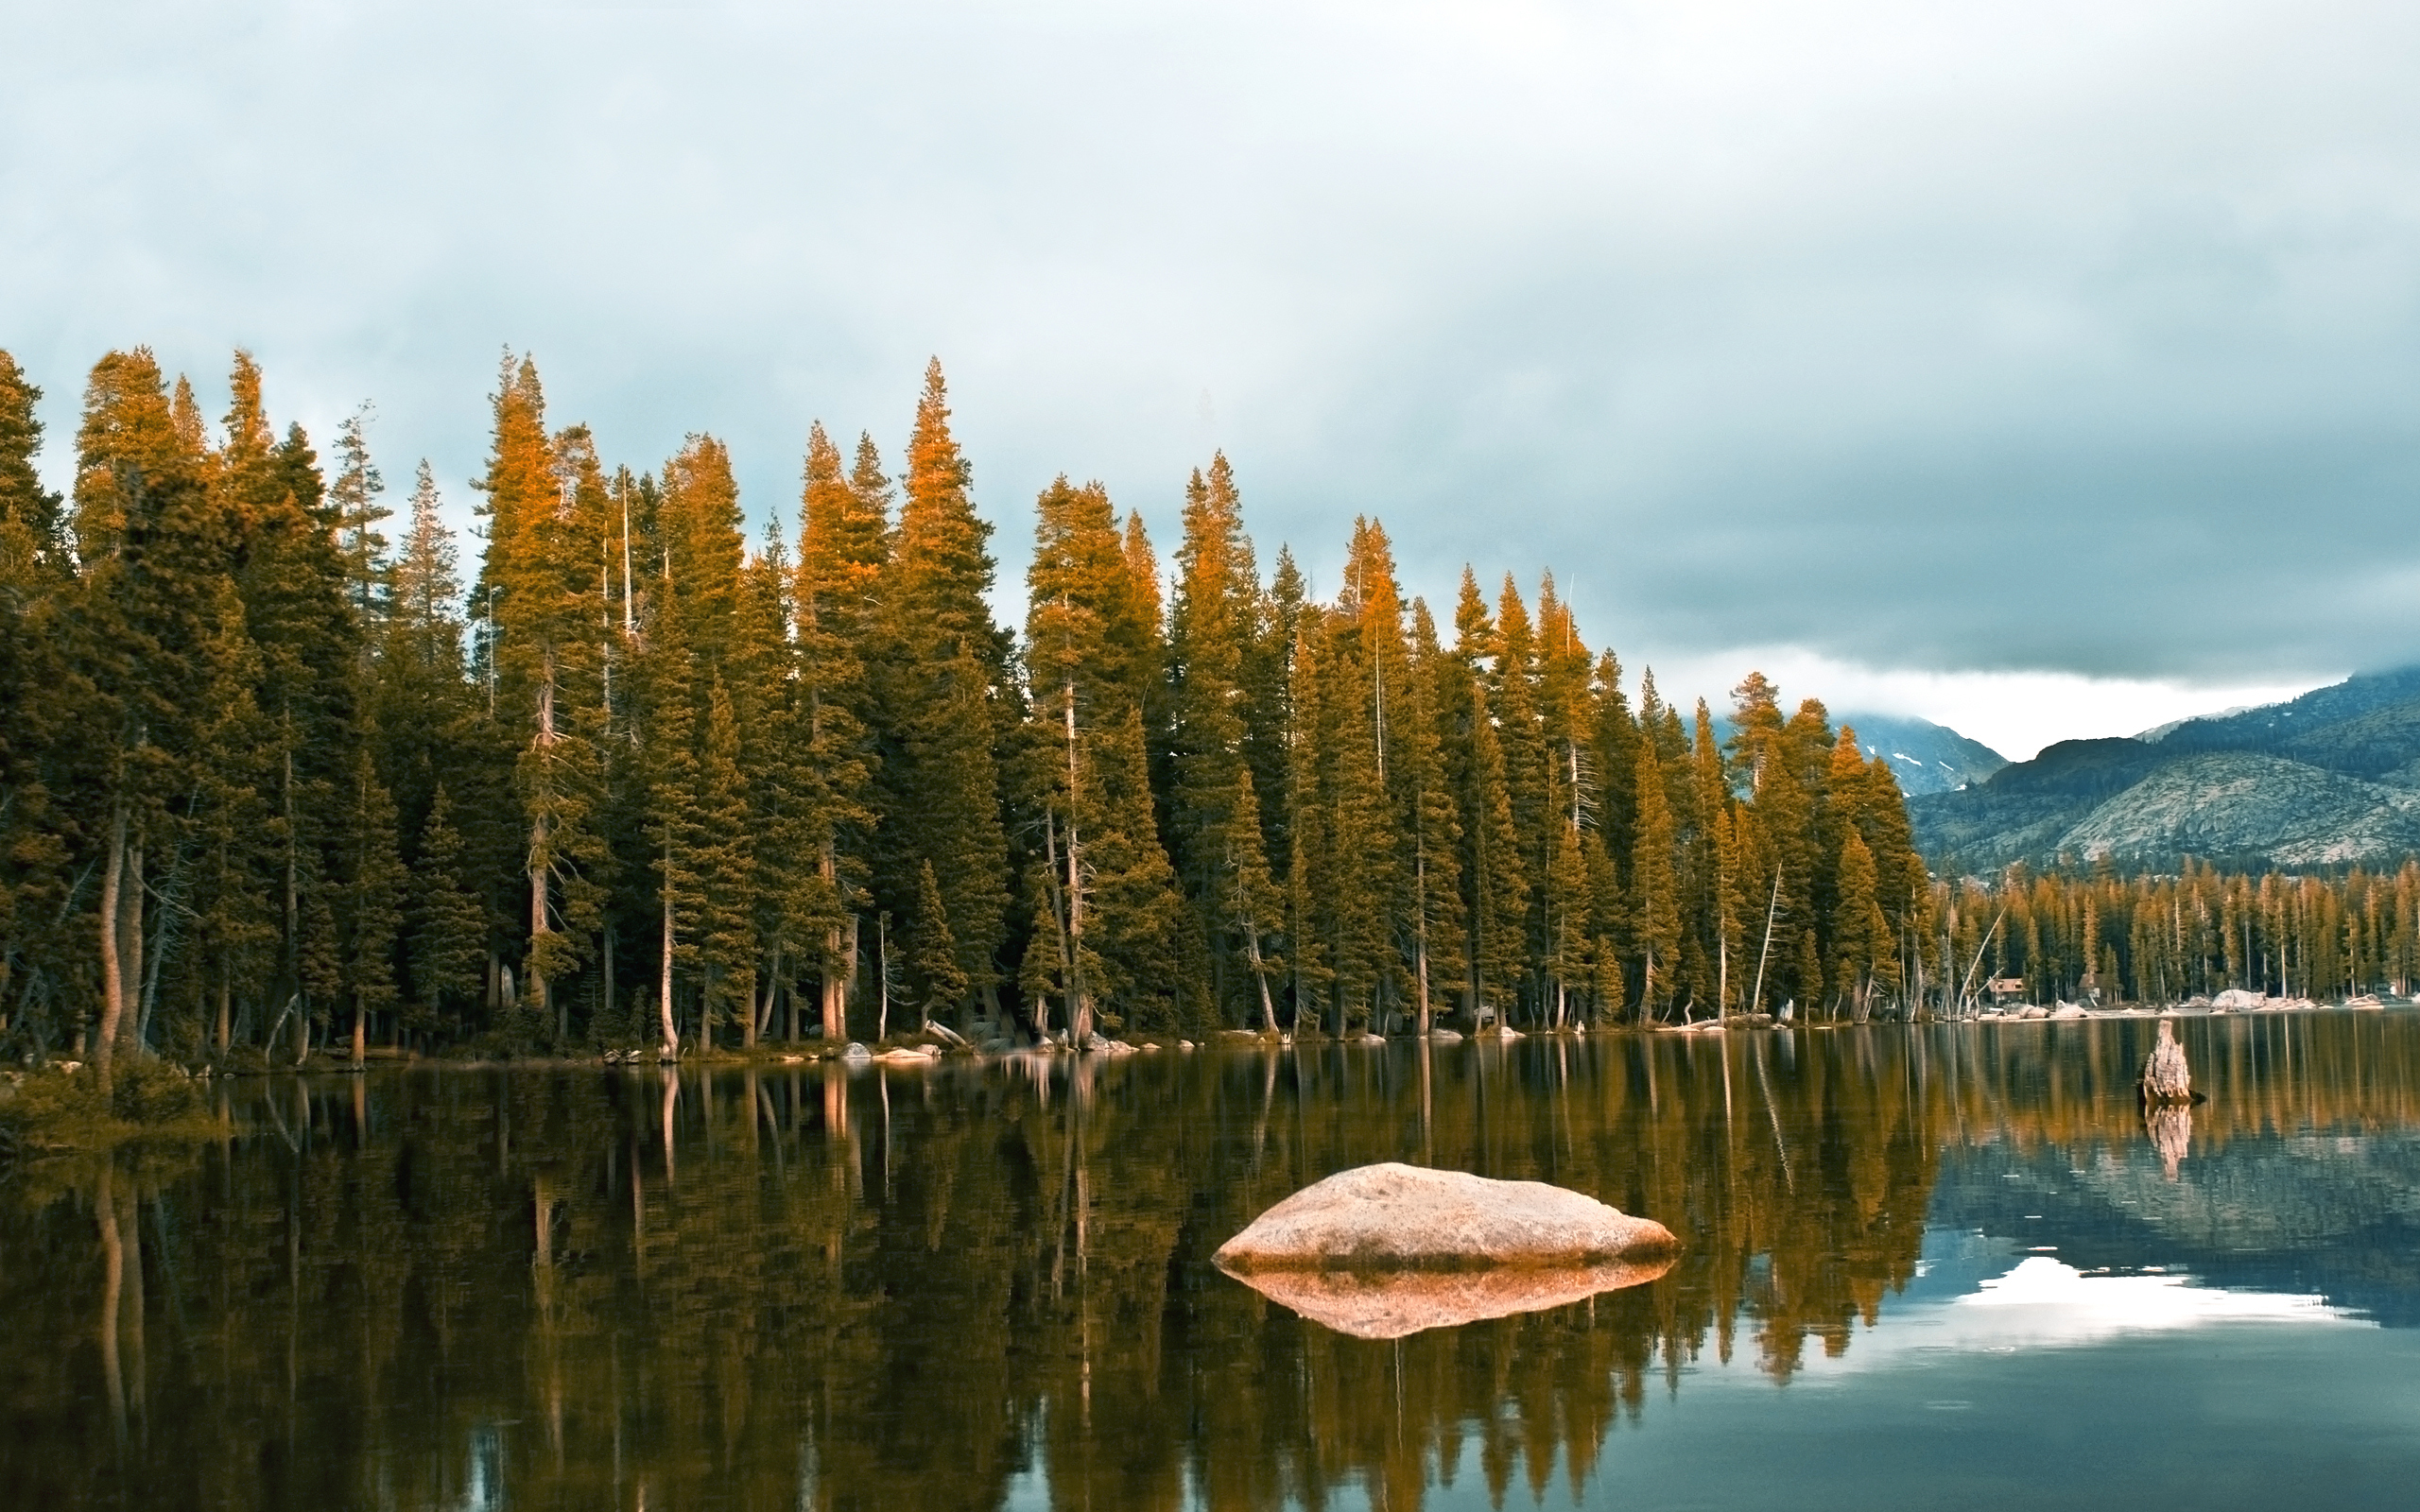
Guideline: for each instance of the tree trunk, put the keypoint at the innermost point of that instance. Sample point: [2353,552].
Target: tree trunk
[882,975]
[606,965]
[664,996]
[541,840]
[112,969]
[130,898]
[836,985]
[1080,1006]
[1051,886]
[1268,1008]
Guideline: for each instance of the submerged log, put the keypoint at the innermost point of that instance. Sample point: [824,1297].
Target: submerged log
[2165,1077]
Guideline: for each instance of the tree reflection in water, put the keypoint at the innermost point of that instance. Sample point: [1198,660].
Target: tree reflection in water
[911,1288]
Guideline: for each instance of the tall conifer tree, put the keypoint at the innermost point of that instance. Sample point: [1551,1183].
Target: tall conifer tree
[943,694]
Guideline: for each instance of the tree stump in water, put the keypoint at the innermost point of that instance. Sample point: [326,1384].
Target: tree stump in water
[2165,1077]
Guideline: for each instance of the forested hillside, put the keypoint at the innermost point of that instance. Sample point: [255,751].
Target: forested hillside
[270,777]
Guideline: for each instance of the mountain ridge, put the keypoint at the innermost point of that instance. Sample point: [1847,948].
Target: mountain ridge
[2329,778]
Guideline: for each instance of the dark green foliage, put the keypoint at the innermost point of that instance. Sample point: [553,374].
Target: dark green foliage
[270,784]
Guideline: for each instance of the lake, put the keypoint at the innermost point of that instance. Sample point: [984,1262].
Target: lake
[1943,1266]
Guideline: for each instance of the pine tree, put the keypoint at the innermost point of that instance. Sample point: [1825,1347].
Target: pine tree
[1269,701]
[1569,912]
[1432,827]
[1211,632]
[1734,911]
[1308,822]
[1133,885]
[1654,889]
[1253,907]
[369,911]
[296,607]
[777,755]
[1498,888]
[842,526]
[667,723]
[547,503]
[1345,841]
[944,698]
[1513,701]
[24,503]
[1091,649]
[433,740]
[226,824]
[1809,969]
[354,493]
[34,586]
[448,924]
[932,955]
[152,561]
[725,858]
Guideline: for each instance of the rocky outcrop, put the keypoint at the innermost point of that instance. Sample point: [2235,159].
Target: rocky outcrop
[2234,803]
[1411,1218]
[2165,1077]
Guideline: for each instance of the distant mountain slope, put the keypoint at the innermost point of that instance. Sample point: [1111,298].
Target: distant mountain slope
[2331,776]
[2239,803]
[2279,727]
[1925,757]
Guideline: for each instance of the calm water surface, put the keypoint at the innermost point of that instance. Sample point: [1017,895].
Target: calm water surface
[1947,1266]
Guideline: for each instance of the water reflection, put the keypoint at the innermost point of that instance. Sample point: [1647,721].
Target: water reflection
[2171,1127]
[943,1286]
[2043,1302]
[1395,1304]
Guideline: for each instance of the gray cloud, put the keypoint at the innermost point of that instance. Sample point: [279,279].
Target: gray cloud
[1983,337]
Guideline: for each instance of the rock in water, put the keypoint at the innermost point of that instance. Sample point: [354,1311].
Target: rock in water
[2166,1078]
[1387,1250]
[1408,1217]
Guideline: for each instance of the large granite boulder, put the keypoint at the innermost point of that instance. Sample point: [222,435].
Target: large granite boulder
[1410,1217]
[1386,1251]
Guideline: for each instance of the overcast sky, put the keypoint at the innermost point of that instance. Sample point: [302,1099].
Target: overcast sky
[2046,368]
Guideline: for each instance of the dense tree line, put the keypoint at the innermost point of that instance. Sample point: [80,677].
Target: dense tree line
[2082,934]
[273,778]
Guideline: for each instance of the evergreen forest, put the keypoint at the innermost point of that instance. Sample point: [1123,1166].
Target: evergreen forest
[281,772]
[2089,934]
